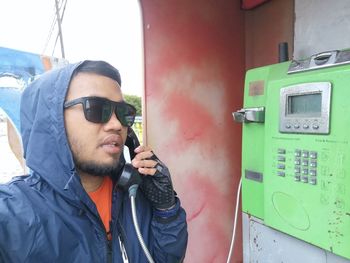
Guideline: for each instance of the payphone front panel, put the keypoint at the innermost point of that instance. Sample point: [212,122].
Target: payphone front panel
[296,158]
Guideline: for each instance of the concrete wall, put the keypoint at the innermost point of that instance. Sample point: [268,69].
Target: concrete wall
[194,71]
[265,27]
[321,25]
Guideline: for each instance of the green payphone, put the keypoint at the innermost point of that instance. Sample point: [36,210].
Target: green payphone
[296,148]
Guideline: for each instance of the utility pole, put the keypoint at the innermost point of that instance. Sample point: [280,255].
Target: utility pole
[59,28]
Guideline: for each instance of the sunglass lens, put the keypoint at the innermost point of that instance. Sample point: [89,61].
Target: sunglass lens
[98,111]
[126,114]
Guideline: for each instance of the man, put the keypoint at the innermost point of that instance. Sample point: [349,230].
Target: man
[74,124]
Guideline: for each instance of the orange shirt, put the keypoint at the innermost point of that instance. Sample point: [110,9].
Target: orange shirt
[102,198]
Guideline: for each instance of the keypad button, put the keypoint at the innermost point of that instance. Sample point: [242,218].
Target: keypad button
[281,151]
[297,177]
[297,153]
[305,162]
[281,166]
[313,155]
[281,173]
[297,169]
[305,171]
[313,163]
[304,179]
[305,154]
[313,180]
[297,161]
[281,158]
[313,172]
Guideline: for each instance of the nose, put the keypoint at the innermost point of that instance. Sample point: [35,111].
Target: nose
[113,123]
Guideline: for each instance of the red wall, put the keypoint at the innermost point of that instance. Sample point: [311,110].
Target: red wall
[194,72]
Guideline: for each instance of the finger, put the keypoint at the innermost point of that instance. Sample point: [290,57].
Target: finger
[142,148]
[147,171]
[144,163]
[144,155]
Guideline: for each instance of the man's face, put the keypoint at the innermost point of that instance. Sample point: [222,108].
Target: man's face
[96,147]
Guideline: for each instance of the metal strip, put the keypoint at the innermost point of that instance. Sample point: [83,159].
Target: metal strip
[255,176]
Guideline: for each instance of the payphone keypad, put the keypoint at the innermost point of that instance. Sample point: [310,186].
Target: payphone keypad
[305,165]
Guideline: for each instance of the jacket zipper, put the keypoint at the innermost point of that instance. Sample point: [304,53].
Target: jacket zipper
[109,251]
[109,243]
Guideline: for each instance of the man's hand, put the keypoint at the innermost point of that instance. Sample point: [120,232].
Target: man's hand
[156,182]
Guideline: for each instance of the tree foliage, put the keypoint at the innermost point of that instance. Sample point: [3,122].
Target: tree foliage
[135,101]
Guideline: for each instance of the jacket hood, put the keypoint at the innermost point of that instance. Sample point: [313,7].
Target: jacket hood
[45,143]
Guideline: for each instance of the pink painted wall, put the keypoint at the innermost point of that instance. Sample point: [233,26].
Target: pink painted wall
[194,72]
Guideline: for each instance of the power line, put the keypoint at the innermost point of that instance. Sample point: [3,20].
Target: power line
[59,28]
[53,24]
[58,34]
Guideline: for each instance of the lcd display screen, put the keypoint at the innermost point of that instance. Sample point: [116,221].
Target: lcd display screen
[306,104]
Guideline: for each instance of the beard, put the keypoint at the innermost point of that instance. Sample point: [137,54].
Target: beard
[95,169]
[90,166]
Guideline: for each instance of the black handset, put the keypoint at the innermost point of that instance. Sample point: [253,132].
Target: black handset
[130,176]
[129,180]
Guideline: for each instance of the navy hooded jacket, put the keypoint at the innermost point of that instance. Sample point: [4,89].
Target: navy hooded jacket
[48,217]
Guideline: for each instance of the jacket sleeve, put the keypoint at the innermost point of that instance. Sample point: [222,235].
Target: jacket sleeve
[17,225]
[170,232]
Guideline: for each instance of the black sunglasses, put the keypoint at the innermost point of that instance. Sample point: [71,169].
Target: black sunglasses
[99,110]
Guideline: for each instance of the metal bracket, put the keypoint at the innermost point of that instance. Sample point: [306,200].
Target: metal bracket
[249,115]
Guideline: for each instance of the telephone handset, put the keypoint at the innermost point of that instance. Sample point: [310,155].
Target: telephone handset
[129,175]
[129,180]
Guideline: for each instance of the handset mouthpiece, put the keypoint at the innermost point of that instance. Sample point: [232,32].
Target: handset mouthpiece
[129,177]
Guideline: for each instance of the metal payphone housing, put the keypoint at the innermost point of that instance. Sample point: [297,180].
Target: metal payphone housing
[296,162]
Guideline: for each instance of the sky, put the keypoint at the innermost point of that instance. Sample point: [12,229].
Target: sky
[109,30]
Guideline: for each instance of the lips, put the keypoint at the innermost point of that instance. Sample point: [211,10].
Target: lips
[112,144]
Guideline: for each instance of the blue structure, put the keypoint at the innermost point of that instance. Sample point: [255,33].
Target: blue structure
[22,67]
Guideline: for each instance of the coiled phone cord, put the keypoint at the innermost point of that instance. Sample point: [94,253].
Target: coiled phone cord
[235,221]
[132,195]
